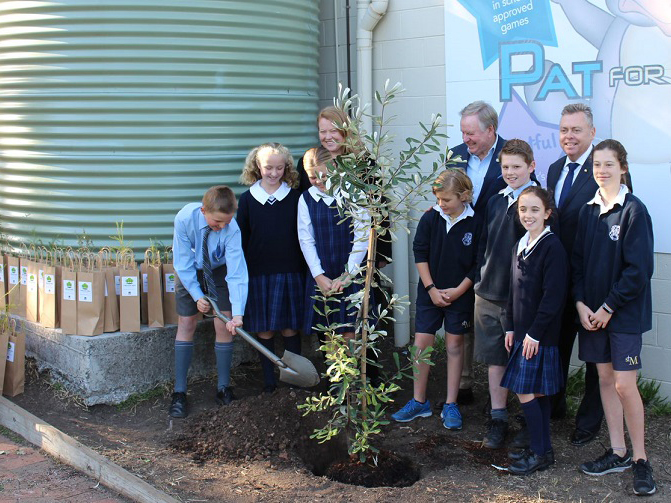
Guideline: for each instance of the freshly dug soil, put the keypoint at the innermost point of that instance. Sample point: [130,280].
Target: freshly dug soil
[258,448]
[391,470]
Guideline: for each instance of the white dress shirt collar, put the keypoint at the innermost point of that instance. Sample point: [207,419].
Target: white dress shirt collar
[468,212]
[525,246]
[581,160]
[260,194]
[619,199]
[318,194]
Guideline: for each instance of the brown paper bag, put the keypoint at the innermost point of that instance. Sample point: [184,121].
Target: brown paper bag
[169,300]
[23,285]
[3,283]
[48,305]
[90,297]
[13,283]
[68,296]
[152,259]
[15,369]
[129,303]
[4,342]
[32,291]
[111,298]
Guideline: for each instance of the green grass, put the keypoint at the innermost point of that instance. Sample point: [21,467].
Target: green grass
[159,392]
[655,405]
[14,437]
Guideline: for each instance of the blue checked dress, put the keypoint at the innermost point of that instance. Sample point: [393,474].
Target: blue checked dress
[334,243]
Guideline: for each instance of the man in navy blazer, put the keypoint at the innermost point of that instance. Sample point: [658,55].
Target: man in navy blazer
[571,181]
[480,159]
[480,152]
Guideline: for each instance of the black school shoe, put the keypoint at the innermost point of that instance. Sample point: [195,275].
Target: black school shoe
[582,437]
[496,435]
[224,396]
[609,462]
[178,407]
[644,484]
[517,455]
[529,463]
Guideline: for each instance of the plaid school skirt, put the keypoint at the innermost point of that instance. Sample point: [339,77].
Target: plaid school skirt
[541,374]
[275,302]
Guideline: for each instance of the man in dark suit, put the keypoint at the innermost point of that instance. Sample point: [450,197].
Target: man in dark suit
[480,159]
[572,183]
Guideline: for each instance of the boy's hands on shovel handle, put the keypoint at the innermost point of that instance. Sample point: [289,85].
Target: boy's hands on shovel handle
[203,305]
[236,321]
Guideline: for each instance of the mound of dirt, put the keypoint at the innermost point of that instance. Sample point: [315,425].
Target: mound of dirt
[263,427]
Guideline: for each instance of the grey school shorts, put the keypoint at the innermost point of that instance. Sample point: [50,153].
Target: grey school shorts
[186,306]
[490,332]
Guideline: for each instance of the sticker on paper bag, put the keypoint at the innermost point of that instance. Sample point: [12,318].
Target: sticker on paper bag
[24,275]
[69,292]
[170,282]
[32,282]
[49,284]
[85,291]
[10,351]
[128,286]
[13,275]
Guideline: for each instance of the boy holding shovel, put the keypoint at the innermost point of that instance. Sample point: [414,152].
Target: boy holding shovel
[208,260]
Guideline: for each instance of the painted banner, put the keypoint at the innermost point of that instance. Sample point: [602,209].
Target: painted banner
[530,58]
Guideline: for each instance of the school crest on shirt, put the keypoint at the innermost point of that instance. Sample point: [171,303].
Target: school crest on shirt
[614,233]
[467,239]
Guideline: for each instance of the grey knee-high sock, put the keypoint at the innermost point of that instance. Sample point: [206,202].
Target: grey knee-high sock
[224,354]
[183,354]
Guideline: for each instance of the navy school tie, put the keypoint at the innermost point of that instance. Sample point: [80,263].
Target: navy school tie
[207,267]
[568,181]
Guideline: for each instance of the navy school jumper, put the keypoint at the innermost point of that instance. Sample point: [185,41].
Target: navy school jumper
[538,285]
[451,256]
[613,261]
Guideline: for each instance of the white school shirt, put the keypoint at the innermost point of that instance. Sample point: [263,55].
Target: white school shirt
[513,194]
[306,236]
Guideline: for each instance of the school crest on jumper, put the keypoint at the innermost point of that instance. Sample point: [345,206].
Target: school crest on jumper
[614,233]
[467,239]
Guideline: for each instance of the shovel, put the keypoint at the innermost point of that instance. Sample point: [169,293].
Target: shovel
[294,369]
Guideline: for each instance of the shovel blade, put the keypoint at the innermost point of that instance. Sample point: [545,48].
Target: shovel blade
[300,371]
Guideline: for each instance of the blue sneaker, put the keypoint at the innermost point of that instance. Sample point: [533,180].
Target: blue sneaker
[411,410]
[451,416]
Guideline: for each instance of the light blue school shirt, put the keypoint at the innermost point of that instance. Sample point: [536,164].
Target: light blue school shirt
[224,247]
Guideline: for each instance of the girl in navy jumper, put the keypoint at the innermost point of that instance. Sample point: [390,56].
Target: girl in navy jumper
[267,215]
[538,283]
[612,268]
[333,251]
[445,249]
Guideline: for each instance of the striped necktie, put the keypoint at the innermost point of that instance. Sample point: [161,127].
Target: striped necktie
[207,267]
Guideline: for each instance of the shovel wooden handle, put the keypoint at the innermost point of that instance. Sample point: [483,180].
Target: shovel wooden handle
[246,336]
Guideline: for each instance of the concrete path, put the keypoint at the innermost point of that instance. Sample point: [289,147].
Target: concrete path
[29,476]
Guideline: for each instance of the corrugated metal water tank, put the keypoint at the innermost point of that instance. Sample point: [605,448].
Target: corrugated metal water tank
[125,110]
